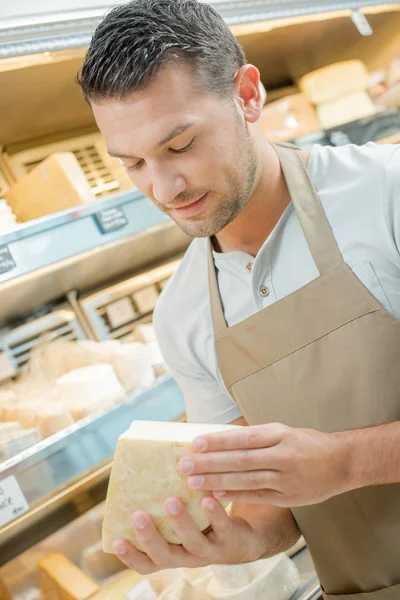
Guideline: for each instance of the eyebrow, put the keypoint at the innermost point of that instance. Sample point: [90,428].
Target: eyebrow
[173,134]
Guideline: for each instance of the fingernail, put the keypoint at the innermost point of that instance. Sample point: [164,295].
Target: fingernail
[196,481]
[210,505]
[172,506]
[219,494]
[199,444]
[139,521]
[119,547]
[186,467]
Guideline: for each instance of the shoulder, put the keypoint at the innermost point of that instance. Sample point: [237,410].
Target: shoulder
[356,165]
[184,304]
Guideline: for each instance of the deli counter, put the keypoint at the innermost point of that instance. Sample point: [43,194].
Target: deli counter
[81,278]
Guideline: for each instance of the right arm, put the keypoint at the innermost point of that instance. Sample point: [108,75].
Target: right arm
[275,524]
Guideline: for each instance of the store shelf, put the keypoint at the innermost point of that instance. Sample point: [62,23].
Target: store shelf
[73,28]
[50,466]
[52,239]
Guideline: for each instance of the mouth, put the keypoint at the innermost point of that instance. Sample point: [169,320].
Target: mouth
[191,209]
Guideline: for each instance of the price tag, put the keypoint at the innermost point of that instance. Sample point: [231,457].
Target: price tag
[7,263]
[110,219]
[12,501]
[361,22]
[143,591]
[120,312]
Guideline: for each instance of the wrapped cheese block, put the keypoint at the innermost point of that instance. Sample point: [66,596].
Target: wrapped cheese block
[334,81]
[99,565]
[133,366]
[52,417]
[14,442]
[56,184]
[60,579]
[277,574]
[288,118]
[145,474]
[349,108]
[87,390]
[125,587]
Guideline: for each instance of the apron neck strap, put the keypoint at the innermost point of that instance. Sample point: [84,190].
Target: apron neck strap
[312,218]
[311,215]
[217,313]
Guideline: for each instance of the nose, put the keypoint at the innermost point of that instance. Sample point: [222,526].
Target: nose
[167,185]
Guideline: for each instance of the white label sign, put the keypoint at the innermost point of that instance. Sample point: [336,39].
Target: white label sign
[120,312]
[143,591]
[12,501]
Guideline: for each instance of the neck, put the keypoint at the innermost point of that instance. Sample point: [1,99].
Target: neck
[269,199]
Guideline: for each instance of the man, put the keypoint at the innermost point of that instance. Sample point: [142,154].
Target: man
[283,315]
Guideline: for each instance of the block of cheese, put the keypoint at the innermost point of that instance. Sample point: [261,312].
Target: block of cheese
[60,579]
[334,81]
[349,108]
[144,475]
[98,564]
[6,397]
[58,183]
[133,366]
[52,417]
[8,427]
[180,590]
[89,389]
[145,333]
[288,118]
[123,588]
[14,442]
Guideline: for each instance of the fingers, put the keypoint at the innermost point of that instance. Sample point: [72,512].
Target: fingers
[230,461]
[133,558]
[252,480]
[220,521]
[186,529]
[257,436]
[152,543]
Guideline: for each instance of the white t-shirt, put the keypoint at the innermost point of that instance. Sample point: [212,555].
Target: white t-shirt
[359,188]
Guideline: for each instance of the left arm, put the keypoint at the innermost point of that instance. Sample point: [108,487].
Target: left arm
[289,467]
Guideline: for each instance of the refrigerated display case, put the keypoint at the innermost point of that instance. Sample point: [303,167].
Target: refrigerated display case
[95,271]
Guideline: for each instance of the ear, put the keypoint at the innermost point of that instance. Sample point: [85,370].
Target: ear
[248,92]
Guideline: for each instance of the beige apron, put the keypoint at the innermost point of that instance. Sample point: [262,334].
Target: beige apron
[326,357]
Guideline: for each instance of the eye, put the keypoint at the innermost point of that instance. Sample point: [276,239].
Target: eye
[134,167]
[184,149]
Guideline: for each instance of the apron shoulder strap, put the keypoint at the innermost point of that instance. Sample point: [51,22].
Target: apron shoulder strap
[217,313]
[311,215]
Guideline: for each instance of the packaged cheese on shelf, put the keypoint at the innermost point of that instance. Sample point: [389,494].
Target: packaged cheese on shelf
[58,183]
[98,564]
[14,442]
[60,579]
[145,474]
[334,81]
[133,365]
[288,118]
[343,110]
[89,389]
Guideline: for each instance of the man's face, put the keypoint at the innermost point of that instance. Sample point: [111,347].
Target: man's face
[187,150]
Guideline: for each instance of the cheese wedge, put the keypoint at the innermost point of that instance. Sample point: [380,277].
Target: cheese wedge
[144,475]
[334,81]
[349,108]
[56,184]
[60,579]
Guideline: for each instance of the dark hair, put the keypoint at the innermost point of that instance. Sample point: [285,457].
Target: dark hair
[135,40]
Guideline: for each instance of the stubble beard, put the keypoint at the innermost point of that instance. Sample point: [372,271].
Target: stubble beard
[241,186]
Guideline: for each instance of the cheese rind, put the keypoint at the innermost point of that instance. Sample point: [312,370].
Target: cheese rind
[145,474]
[334,81]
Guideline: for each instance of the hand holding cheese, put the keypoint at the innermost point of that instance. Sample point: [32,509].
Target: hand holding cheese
[145,474]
